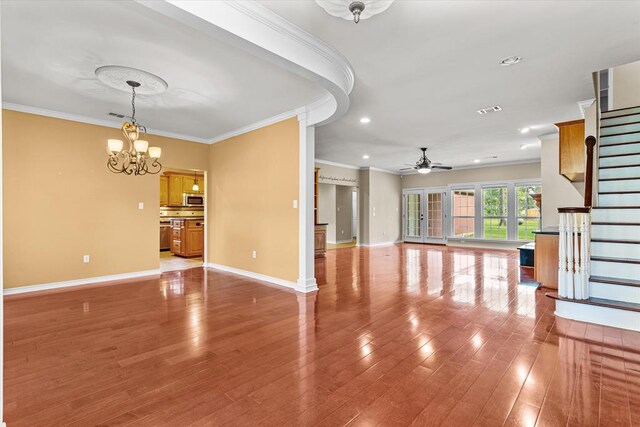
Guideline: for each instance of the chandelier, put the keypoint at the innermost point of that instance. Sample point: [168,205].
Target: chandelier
[138,158]
[354,9]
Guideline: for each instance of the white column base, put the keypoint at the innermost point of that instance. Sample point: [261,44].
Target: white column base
[306,285]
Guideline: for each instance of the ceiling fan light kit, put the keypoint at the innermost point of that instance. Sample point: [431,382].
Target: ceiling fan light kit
[354,9]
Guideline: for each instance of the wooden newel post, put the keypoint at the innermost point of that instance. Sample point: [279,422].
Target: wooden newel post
[590,142]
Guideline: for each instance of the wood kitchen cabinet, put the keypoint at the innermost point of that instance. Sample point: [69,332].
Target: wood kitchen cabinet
[175,190]
[572,150]
[164,190]
[187,237]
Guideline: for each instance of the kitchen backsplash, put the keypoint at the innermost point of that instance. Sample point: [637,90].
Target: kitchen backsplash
[181,211]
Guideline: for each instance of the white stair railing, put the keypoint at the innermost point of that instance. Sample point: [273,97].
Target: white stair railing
[574,253]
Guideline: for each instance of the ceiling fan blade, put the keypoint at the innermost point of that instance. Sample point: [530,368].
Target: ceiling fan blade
[442,167]
[406,169]
[436,164]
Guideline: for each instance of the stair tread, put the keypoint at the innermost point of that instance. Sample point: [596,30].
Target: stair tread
[618,260]
[615,281]
[620,192]
[620,179]
[616,223]
[615,144]
[620,134]
[619,124]
[620,109]
[615,207]
[622,241]
[619,166]
[607,156]
[621,115]
[609,303]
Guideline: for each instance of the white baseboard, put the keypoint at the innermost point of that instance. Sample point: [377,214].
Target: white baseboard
[599,315]
[343,241]
[331,242]
[302,287]
[372,245]
[80,282]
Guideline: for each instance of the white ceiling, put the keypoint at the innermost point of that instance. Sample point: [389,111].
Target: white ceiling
[50,50]
[423,68]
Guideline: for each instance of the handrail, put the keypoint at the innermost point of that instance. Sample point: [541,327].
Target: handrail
[590,142]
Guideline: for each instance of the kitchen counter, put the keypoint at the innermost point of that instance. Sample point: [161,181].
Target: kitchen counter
[548,230]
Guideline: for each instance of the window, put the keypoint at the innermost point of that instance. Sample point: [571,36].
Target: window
[463,212]
[413,216]
[494,212]
[528,214]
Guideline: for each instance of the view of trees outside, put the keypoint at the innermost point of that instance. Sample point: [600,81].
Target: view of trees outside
[529,218]
[494,212]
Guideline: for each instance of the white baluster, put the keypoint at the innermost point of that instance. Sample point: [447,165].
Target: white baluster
[569,252]
[562,257]
[578,260]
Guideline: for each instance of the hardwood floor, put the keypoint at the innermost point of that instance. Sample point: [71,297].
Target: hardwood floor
[397,335]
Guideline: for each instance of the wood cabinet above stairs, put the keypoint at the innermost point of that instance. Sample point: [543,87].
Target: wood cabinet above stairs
[614,264]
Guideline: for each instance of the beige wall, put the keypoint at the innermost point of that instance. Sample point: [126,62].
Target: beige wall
[385,201]
[253,182]
[364,201]
[327,209]
[344,206]
[557,191]
[331,174]
[491,173]
[626,85]
[61,202]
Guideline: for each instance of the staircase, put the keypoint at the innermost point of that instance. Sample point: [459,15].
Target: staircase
[614,281]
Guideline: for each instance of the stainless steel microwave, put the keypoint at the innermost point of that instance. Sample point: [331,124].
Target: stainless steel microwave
[192,199]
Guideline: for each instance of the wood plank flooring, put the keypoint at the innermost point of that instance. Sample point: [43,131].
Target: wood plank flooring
[397,335]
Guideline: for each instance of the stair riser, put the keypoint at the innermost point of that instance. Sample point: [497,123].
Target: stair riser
[609,114]
[631,137]
[615,215]
[620,149]
[615,250]
[599,315]
[619,200]
[617,270]
[627,185]
[614,292]
[620,120]
[619,172]
[620,129]
[615,232]
[619,161]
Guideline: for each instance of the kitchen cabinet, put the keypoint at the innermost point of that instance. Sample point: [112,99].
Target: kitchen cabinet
[164,190]
[175,190]
[187,237]
[320,240]
[572,150]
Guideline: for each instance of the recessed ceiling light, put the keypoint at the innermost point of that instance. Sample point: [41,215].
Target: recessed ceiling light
[525,130]
[366,156]
[490,109]
[365,120]
[510,60]
[476,161]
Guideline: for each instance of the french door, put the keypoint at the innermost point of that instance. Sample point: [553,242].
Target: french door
[423,215]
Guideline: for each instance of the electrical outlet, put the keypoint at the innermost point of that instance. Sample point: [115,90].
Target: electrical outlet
[254,254]
[86,258]
[141,205]
[295,204]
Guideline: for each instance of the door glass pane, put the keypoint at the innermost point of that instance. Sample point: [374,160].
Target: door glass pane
[412,220]
[434,215]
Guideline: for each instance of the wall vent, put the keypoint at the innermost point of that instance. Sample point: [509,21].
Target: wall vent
[490,109]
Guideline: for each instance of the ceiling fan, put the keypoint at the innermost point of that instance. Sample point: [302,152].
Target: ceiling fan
[424,165]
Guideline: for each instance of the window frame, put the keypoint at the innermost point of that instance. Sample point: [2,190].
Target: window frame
[506,218]
[517,213]
[453,216]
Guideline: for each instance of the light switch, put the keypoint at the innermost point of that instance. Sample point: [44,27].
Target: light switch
[295,204]
[141,205]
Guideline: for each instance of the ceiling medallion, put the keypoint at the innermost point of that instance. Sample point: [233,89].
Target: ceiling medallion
[138,158]
[354,9]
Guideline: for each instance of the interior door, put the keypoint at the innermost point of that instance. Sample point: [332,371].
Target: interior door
[423,216]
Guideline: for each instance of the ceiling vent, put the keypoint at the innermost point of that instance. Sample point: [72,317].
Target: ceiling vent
[490,109]
[118,115]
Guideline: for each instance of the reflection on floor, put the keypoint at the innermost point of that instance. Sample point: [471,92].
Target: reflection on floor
[170,262]
[350,244]
[396,335]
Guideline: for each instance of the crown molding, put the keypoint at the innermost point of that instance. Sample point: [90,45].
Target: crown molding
[340,165]
[93,121]
[583,105]
[259,31]
[373,168]
[478,166]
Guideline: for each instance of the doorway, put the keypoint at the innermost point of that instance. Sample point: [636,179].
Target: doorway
[423,215]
